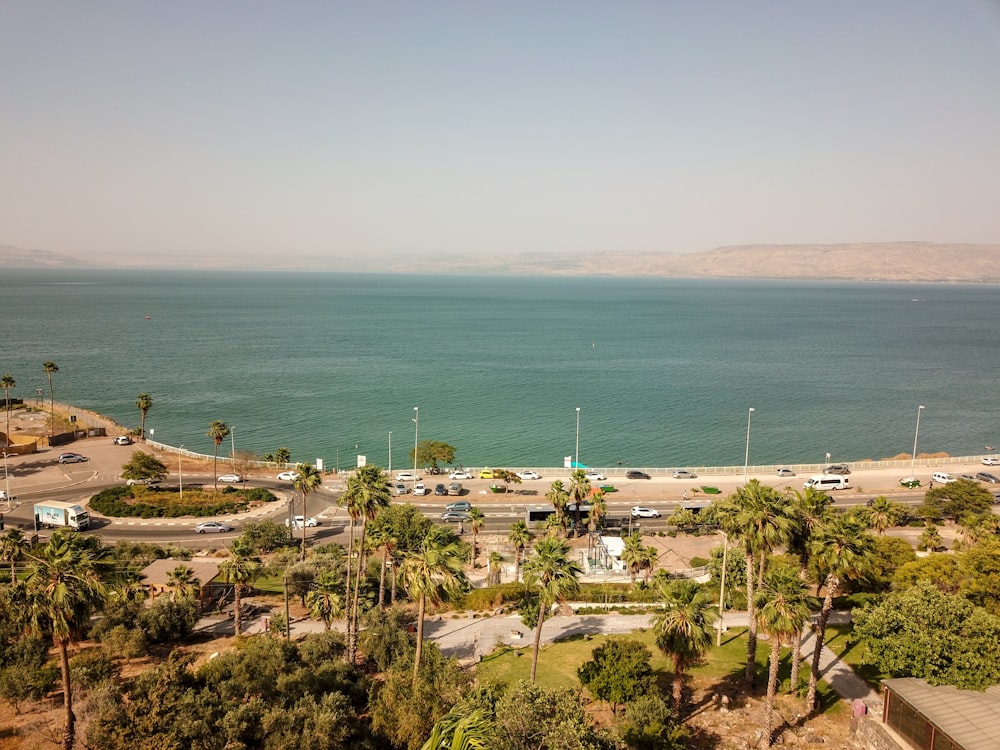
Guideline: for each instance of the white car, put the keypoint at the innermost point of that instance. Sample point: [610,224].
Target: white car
[405,476]
[148,480]
[640,512]
[288,476]
[684,474]
[595,476]
[460,474]
[231,478]
[213,526]
[298,521]
[991,461]
[528,474]
[420,489]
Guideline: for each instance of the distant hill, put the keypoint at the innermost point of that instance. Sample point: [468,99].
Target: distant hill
[16,257]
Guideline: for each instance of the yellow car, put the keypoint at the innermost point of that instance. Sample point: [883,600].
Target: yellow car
[486,474]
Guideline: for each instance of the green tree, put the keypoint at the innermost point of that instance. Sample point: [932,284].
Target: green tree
[432,452]
[889,554]
[618,672]
[62,588]
[399,528]
[265,536]
[7,382]
[930,539]
[184,582]
[50,368]
[144,466]
[559,498]
[953,500]
[579,491]
[325,600]
[307,480]
[144,403]
[169,620]
[598,511]
[554,576]
[283,456]
[683,631]
[241,570]
[433,573]
[520,537]
[507,477]
[979,567]
[633,554]
[458,730]
[923,632]
[782,608]
[476,522]
[841,549]
[944,571]
[884,513]
[25,674]
[218,431]
[13,547]
[648,725]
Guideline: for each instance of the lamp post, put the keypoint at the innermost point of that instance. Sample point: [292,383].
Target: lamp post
[6,481]
[828,459]
[916,432]
[416,444]
[576,453]
[746,458]
[180,473]
[232,437]
[389,470]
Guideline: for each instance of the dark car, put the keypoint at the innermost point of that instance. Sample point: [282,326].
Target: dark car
[985,476]
[440,489]
[837,469]
[633,474]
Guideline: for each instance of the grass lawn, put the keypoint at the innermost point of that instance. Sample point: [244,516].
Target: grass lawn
[840,640]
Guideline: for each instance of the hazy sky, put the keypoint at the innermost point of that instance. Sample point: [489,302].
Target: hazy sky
[140,131]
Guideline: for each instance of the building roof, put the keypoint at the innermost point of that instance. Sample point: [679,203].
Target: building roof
[970,718]
[614,544]
[205,569]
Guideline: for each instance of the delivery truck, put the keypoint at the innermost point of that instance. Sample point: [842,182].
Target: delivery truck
[56,513]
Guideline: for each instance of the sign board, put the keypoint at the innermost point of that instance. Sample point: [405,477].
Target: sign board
[319,465]
[362,460]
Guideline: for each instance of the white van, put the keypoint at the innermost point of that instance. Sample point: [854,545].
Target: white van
[828,482]
[942,477]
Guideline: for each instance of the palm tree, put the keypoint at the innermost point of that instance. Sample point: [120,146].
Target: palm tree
[632,555]
[559,498]
[782,608]
[476,522]
[684,630]
[883,513]
[145,403]
[433,572]
[520,537]
[367,493]
[598,510]
[761,519]
[841,548]
[308,479]
[7,382]
[13,546]
[552,572]
[218,431]
[62,588]
[461,730]
[647,562]
[49,368]
[930,539]
[579,490]
[241,570]
[184,582]
[493,564]
[324,600]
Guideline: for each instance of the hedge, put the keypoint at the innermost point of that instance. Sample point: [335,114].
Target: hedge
[118,502]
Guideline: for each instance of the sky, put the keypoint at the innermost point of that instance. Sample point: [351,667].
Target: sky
[326,132]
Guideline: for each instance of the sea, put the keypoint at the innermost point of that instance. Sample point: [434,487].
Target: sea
[514,371]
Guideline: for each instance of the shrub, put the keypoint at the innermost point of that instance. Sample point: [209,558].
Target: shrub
[92,667]
[169,620]
[159,502]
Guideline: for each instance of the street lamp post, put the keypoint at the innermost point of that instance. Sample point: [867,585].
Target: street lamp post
[416,443]
[232,437]
[576,453]
[389,470]
[180,473]
[916,432]
[746,458]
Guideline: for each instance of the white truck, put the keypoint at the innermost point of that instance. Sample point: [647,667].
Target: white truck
[58,513]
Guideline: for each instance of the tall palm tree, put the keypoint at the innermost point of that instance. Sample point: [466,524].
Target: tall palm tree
[62,588]
[476,522]
[7,382]
[13,547]
[493,563]
[598,510]
[241,570]
[433,572]
[684,630]
[559,498]
[144,403]
[841,548]
[325,601]
[50,368]
[307,479]
[647,562]
[782,608]
[218,431]
[520,537]
[367,493]
[579,490]
[883,513]
[760,519]
[184,582]
[551,571]
[462,730]
[632,555]
[383,540]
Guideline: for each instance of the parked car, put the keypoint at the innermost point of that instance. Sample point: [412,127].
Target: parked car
[837,469]
[784,472]
[635,474]
[210,527]
[985,476]
[298,521]
[146,480]
[420,489]
[910,482]
[122,440]
[398,488]
[231,478]
[991,461]
[440,489]
[528,474]
[641,512]
[595,476]
[968,477]
[406,476]
[487,473]
[942,477]
[459,505]
[455,516]
[71,458]
[460,474]
[288,476]
[455,488]
[684,474]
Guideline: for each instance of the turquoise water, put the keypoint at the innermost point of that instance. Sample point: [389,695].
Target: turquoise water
[663,371]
